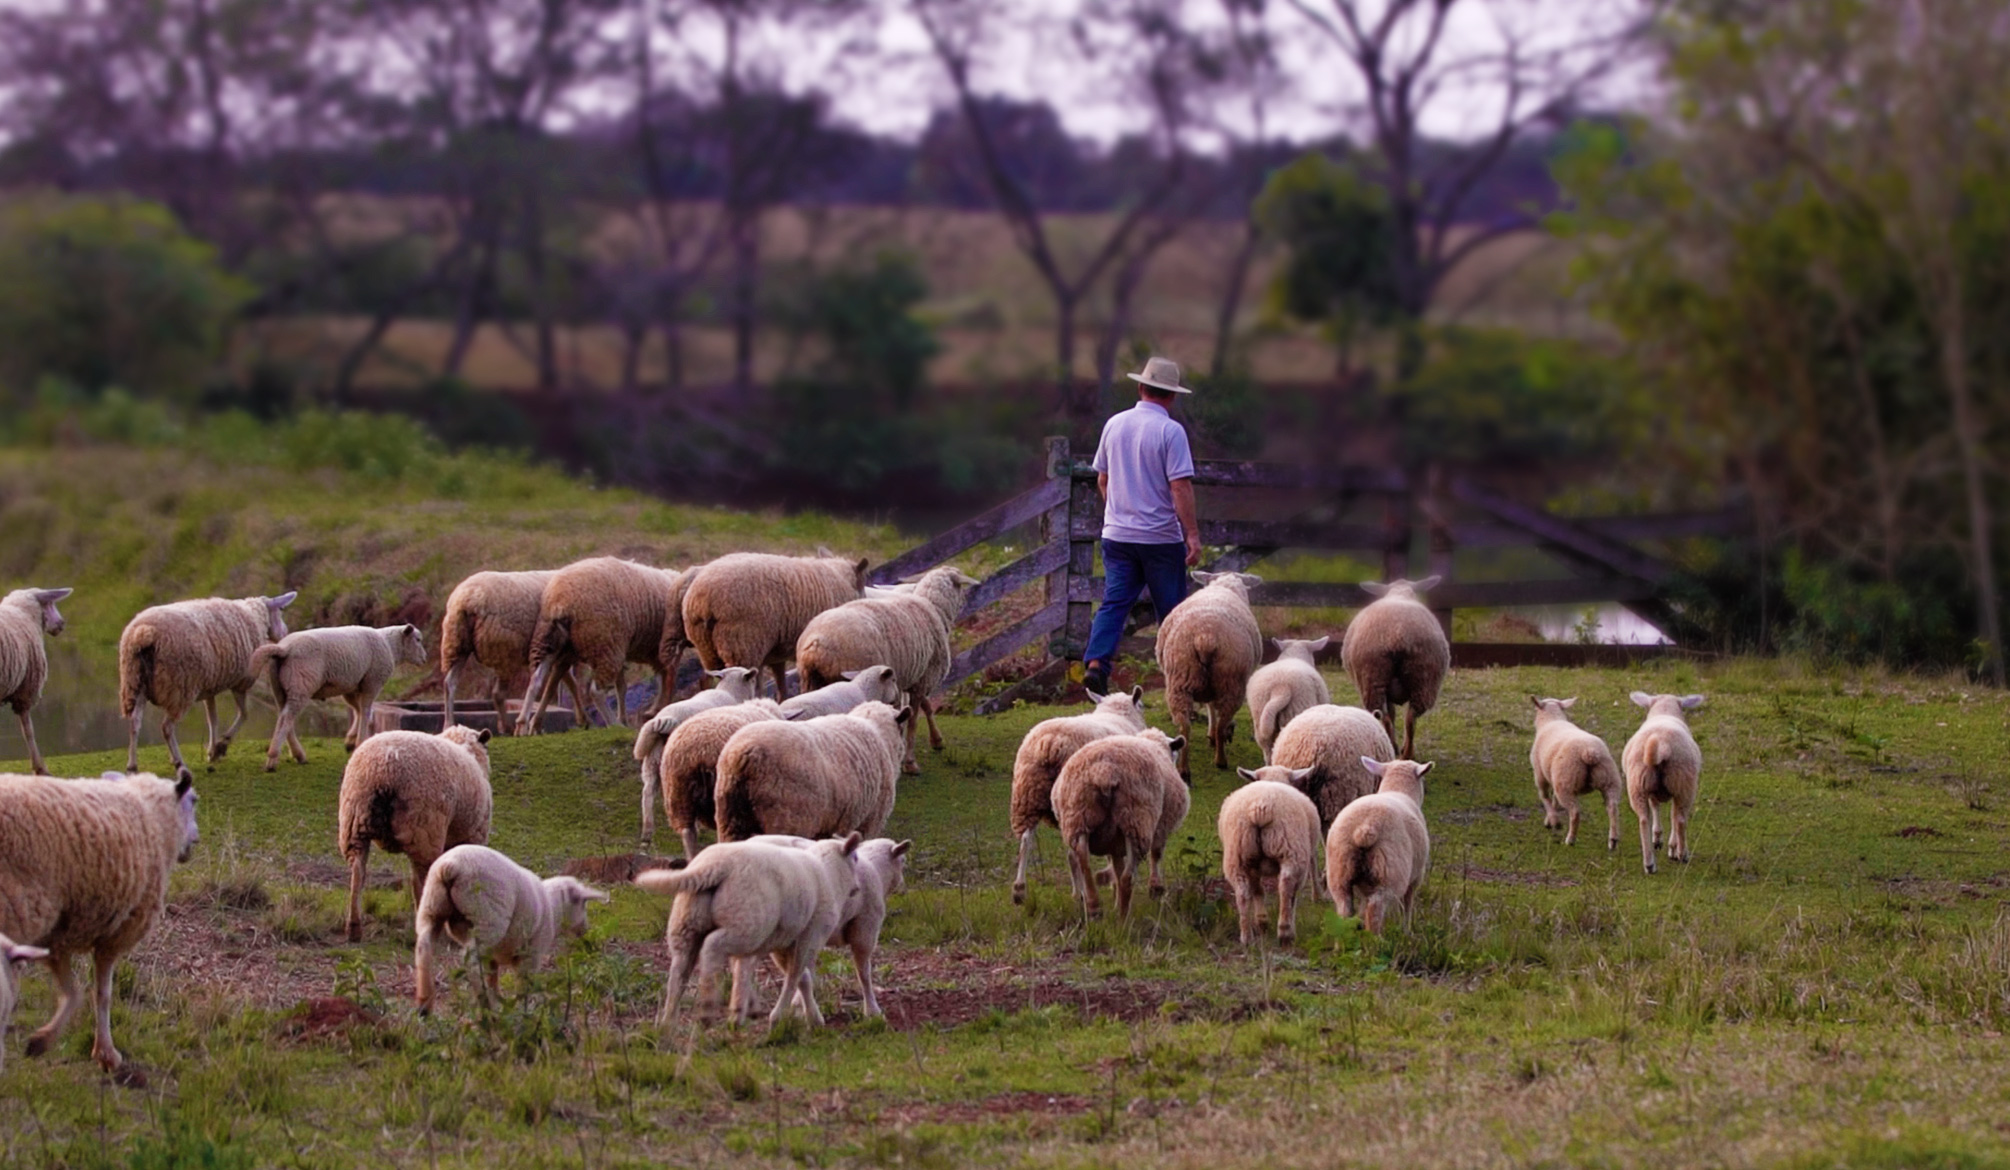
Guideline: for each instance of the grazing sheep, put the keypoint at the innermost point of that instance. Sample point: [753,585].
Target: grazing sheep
[1279,692]
[14,959]
[829,775]
[415,794]
[743,899]
[1397,655]
[670,649]
[1208,646]
[496,909]
[349,662]
[908,631]
[84,868]
[736,685]
[1120,798]
[1269,829]
[1568,762]
[1330,741]
[1663,766]
[603,612]
[687,767]
[188,651]
[25,615]
[1379,848]
[882,870]
[1042,753]
[748,609]
[874,684]
[491,619]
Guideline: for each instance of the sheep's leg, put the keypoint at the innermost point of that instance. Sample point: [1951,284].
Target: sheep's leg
[491,981]
[209,747]
[359,864]
[791,982]
[447,698]
[363,720]
[1678,832]
[1183,718]
[243,697]
[65,978]
[712,962]
[1647,842]
[535,696]
[293,744]
[746,999]
[28,737]
[690,837]
[781,673]
[1025,855]
[673,988]
[1654,818]
[1611,820]
[1570,834]
[133,737]
[282,731]
[1409,731]
[1217,735]
[916,704]
[582,695]
[861,958]
[620,695]
[1549,811]
[1239,887]
[103,961]
[1288,882]
[1127,866]
[1158,881]
[928,712]
[174,745]
[1078,867]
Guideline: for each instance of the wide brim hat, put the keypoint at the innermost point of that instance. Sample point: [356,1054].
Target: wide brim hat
[1161,374]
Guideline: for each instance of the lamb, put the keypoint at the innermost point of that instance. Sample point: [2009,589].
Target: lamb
[1121,798]
[882,870]
[606,613]
[1268,829]
[1379,847]
[1663,766]
[748,609]
[188,651]
[874,684]
[350,662]
[497,909]
[1042,753]
[1568,762]
[1281,691]
[491,619]
[736,685]
[819,778]
[687,767]
[1208,646]
[908,631]
[84,868]
[14,959]
[740,900]
[1329,742]
[1397,655]
[415,794]
[25,615]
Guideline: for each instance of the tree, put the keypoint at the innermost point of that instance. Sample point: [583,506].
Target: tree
[1340,271]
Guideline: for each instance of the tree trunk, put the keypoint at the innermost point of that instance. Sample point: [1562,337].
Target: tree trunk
[746,256]
[540,293]
[1231,298]
[474,307]
[1968,439]
[1076,412]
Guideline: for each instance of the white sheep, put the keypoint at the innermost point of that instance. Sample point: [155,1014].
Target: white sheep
[748,609]
[351,663]
[1397,655]
[496,910]
[1379,847]
[415,794]
[744,899]
[1280,691]
[1328,742]
[874,684]
[603,612]
[687,767]
[1042,753]
[1568,762]
[25,615]
[1120,798]
[491,619]
[14,959]
[1208,646]
[737,684]
[882,871]
[1663,766]
[84,868]
[1268,828]
[818,778]
[908,631]
[185,652]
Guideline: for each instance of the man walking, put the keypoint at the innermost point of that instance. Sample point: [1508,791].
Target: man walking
[1144,469]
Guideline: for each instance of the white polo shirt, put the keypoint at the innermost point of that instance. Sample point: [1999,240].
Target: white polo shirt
[1142,451]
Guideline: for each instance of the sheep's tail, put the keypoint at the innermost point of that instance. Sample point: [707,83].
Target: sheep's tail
[136,673]
[552,639]
[439,910]
[1204,648]
[457,637]
[1660,751]
[1599,768]
[689,880]
[380,819]
[649,739]
[735,814]
[1366,834]
[1268,720]
[269,657]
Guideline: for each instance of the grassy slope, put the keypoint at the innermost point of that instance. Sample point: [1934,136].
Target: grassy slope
[1827,984]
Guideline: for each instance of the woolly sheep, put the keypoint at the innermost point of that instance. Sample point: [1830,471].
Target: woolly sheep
[740,900]
[1269,829]
[908,631]
[1379,847]
[829,775]
[1279,692]
[1042,753]
[882,871]
[1663,766]
[874,684]
[1397,655]
[1120,798]
[14,959]
[25,615]
[84,868]
[1329,742]
[736,685]
[177,654]
[1568,762]
[670,648]
[748,609]
[605,613]
[1208,646]
[491,619]
[687,767]
[348,662]
[415,794]
[495,909]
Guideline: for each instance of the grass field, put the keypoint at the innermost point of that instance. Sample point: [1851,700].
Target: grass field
[1826,985]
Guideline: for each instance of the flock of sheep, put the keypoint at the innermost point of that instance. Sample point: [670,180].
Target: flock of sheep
[796,788]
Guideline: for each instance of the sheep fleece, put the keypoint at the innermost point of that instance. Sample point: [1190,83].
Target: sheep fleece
[179,654]
[84,863]
[818,778]
[745,609]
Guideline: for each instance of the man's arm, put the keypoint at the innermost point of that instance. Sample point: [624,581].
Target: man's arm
[1103,483]
[1189,518]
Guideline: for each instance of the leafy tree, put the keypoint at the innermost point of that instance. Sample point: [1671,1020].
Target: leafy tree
[1337,229]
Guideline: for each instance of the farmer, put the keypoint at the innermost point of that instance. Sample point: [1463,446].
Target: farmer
[1144,469]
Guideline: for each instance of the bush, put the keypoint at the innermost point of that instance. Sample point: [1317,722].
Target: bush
[1491,394]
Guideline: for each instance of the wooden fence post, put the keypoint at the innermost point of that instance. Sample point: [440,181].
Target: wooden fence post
[1054,529]
[1084,521]
[1440,530]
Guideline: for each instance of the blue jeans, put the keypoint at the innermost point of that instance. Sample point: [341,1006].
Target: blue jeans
[1129,570]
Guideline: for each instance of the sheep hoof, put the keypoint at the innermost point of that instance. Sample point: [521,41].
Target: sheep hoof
[271,765]
[1650,871]
[1611,844]
[1285,938]
[355,932]
[37,1045]
[1018,895]
[911,768]
[128,1075]
[219,751]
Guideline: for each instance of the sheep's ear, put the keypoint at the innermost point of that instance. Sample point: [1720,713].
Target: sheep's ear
[1429,583]
[1424,767]
[1567,704]
[1300,777]
[848,675]
[581,893]
[1245,773]
[824,550]
[51,596]
[851,843]
[900,848]
[1319,643]
[858,571]
[1536,701]
[1202,576]
[1176,742]
[1374,588]
[1642,699]
[21,954]
[1279,643]
[484,735]
[1251,579]
[1138,696]
[716,673]
[1375,767]
[1691,702]
[906,713]
[679,862]
[283,600]
[182,785]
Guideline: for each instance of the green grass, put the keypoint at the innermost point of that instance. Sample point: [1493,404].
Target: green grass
[1827,984]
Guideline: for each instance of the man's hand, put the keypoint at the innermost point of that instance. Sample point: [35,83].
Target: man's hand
[1189,518]
[1193,550]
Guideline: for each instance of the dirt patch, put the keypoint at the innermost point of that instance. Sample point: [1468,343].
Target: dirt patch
[613,869]
[1487,812]
[1917,831]
[1515,877]
[1018,1104]
[333,876]
[948,1007]
[191,948]
[317,1019]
